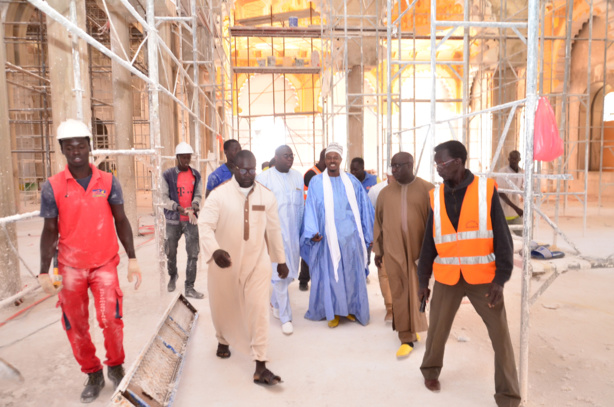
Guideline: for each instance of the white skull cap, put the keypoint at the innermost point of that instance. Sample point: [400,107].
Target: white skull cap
[334,148]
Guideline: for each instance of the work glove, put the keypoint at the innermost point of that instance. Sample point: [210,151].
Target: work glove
[134,271]
[47,285]
[192,216]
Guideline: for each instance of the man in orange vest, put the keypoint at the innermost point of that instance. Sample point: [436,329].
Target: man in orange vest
[303,277]
[468,247]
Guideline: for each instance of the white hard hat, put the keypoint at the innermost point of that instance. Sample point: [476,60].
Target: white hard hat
[72,128]
[183,148]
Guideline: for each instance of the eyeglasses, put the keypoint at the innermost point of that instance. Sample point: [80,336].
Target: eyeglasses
[445,163]
[288,156]
[243,171]
[399,166]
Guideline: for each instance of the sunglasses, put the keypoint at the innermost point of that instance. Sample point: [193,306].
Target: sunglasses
[244,171]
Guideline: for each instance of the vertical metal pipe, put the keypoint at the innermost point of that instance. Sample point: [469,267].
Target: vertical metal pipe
[541,48]
[433,128]
[249,95]
[196,80]
[400,69]
[346,73]
[78,89]
[466,50]
[389,26]
[313,90]
[379,168]
[236,85]
[564,113]
[601,138]
[45,112]
[588,117]
[155,140]
[249,107]
[529,120]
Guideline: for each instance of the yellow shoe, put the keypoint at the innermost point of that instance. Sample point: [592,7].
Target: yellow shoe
[351,317]
[404,351]
[334,322]
[417,337]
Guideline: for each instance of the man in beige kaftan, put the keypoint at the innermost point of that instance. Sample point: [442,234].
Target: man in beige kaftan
[238,222]
[400,217]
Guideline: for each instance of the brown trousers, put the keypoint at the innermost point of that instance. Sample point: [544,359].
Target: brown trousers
[384,285]
[445,302]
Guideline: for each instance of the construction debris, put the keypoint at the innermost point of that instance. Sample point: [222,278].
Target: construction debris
[153,378]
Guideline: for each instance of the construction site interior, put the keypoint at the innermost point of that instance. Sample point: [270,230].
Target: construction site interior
[376,76]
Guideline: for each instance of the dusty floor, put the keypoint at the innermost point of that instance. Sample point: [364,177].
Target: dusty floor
[571,344]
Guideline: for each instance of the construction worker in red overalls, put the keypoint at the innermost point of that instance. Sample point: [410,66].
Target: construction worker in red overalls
[84,214]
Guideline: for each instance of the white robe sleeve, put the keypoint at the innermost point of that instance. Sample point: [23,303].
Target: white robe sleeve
[207,224]
[275,242]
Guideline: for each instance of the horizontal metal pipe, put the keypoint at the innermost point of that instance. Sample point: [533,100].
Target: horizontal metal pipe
[21,216]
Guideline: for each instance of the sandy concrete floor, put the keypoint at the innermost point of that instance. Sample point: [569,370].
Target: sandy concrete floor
[571,344]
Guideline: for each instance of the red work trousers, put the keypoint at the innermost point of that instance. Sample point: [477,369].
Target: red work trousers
[74,299]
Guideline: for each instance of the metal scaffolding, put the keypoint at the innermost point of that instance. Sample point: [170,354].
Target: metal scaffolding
[30,113]
[276,72]
[192,60]
[353,80]
[496,60]
[430,74]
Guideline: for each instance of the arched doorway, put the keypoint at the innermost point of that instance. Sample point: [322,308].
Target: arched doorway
[602,125]
[598,127]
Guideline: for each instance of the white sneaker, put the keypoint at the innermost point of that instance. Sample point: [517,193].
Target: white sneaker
[275,312]
[287,328]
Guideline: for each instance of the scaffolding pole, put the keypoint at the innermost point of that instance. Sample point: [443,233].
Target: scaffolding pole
[531,95]
[183,80]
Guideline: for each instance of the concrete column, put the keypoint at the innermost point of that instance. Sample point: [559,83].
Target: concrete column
[10,277]
[356,114]
[62,74]
[123,114]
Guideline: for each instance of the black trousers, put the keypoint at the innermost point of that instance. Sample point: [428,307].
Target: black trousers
[173,234]
[303,276]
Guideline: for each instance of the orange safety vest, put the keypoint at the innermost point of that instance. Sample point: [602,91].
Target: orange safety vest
[317,171]
[468,250]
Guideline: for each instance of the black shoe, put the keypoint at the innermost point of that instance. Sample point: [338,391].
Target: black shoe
[303,286]
[116,374]
[95,383]
[171,283]
[192,293]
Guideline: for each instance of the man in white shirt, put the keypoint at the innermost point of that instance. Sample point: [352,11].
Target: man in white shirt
[287,185]
[511,202]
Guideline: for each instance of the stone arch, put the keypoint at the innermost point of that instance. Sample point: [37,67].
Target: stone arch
[17,13]
[596,123]
[581,13]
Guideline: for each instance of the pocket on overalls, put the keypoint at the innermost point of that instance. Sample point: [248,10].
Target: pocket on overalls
[119,302]
[65,321]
